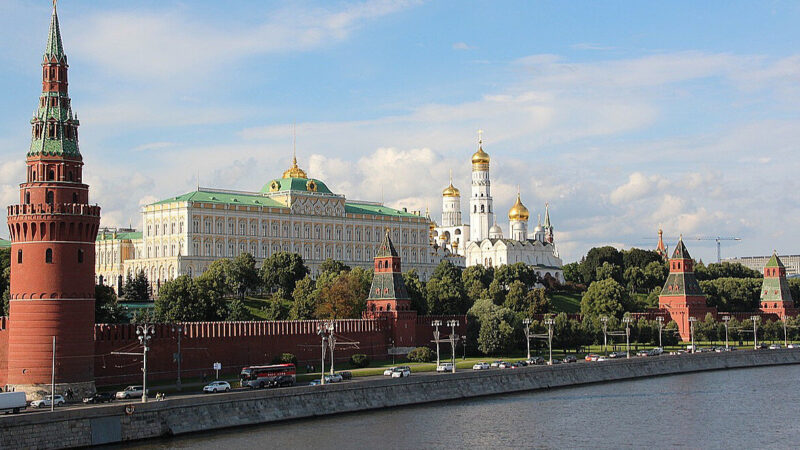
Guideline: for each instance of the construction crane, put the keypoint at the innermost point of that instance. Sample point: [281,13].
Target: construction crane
[717,239]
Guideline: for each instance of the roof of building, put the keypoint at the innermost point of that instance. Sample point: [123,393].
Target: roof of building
[480,157]
[121,235]
[210,196]
[54,46]
[680,251]
[376,209]
[774,261]
[286,184]
[5,243]
[387,248]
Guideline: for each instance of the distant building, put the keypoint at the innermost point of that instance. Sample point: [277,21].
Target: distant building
[757,263]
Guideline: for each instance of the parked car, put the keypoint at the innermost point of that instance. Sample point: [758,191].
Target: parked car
[536,360]
[523,363]
[480,366]
[591,357]
[445,367]
[46,402]
[775,347]
[643,353]
[12,402]
[723,349]
[570,359]
[655,351]
[98,397]
[555,361]
[335,378]
[388,372]
[131,392]
[793,346]
[217,386]
[401,372]
[281,381]
[762,346]
[504,365]
[602,358]
[620,354]
[496,364]
[346,375]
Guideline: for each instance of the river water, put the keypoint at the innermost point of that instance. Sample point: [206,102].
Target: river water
[742,408]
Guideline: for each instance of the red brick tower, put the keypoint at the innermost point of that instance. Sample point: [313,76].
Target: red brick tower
[388,297]
[52,230]
[682,297]
[776,297]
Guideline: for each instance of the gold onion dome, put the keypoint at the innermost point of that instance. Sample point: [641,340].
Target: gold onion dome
[451,191]
[518,211]
[480,157]
[294,171]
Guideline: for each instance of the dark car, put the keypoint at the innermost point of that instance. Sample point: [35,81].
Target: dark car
[99,397]
[570,359]
[346,375]
[281,381]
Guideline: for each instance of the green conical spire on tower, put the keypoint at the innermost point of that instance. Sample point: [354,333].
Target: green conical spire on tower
[54,46]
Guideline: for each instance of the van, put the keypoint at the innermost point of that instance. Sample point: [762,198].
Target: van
[12,402]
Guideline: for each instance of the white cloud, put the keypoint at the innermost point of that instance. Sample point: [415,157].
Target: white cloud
[462,46]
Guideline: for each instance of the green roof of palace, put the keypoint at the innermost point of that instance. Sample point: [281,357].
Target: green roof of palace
[4,243]
[376,209]
[122,236]
[223,197]
[295,184]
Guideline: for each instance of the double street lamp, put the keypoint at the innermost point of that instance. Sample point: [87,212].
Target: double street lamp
[755,320]
[725,320]
[145,333]
[692,320]
[627,320]
[453,338]
[527,322]
[324,330]
[436,324]
[549,321]
[660,321]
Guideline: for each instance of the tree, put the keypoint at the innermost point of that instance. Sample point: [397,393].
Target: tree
[495,333]
[572,272]
[509,273]
[497,292]
[447,269]
[655,275]
[526,301]
[538,302]
[333,266]
[483,275]
[136,288]
[344,298]
[278,308]
[608,270]
[416,292]
[724,270]
[218,278]
[5,272]
[445,296]
[304,300]
[605,297]
[516,296]
[283,270]
[420,354]
[733,294]
[637,257]
[237,311]
[595,258]
[243,274]
[106,308]
[187,300]
[634,278]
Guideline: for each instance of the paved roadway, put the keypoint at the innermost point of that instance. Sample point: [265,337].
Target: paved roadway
[199,393]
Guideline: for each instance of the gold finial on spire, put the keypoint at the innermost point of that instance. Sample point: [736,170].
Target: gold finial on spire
[294,171]
[480,137]
[480,159]
[54,3]
[450,190]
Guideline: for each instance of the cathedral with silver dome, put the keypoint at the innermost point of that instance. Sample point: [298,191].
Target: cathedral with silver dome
[482,240]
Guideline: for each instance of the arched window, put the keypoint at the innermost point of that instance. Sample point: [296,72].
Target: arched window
[80,255]
[48,256]
[482,208]
[19,256]
[48,198]
[27,198]
[51,175]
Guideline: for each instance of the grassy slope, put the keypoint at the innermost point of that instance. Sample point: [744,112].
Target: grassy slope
[566,302]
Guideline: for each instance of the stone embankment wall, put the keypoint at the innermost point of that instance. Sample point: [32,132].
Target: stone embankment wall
[80,427]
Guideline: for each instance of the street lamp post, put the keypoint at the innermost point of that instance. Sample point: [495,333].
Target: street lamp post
[453,336]
[627,321]
[660,321]
[322,331]
[145,333]
[527,322]
[692,320]
[464,347]
[549,321]
[392,351]
[725,320]
[755,320]
[331,339]
[436,324]
[785,335]
[178,357]
[604,319]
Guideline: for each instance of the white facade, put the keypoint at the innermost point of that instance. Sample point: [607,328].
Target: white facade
[497,252]
[480,200]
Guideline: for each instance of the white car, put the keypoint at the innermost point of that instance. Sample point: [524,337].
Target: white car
[496,364]
[401,372]
[480,366]
[217,386]
[388,372]
[601,359]
[335,378]
[793,346]
[46,402]
[131,392]
[775,347]
[445,367]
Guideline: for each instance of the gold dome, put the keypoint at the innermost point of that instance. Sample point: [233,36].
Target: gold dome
[518,211]
[480,157]
[294,171]
[451,191]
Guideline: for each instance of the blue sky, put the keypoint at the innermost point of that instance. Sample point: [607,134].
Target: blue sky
[623,115]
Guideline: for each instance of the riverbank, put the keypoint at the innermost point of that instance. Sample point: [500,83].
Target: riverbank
[112,423]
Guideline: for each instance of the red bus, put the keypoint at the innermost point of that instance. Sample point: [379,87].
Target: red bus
[268,376]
